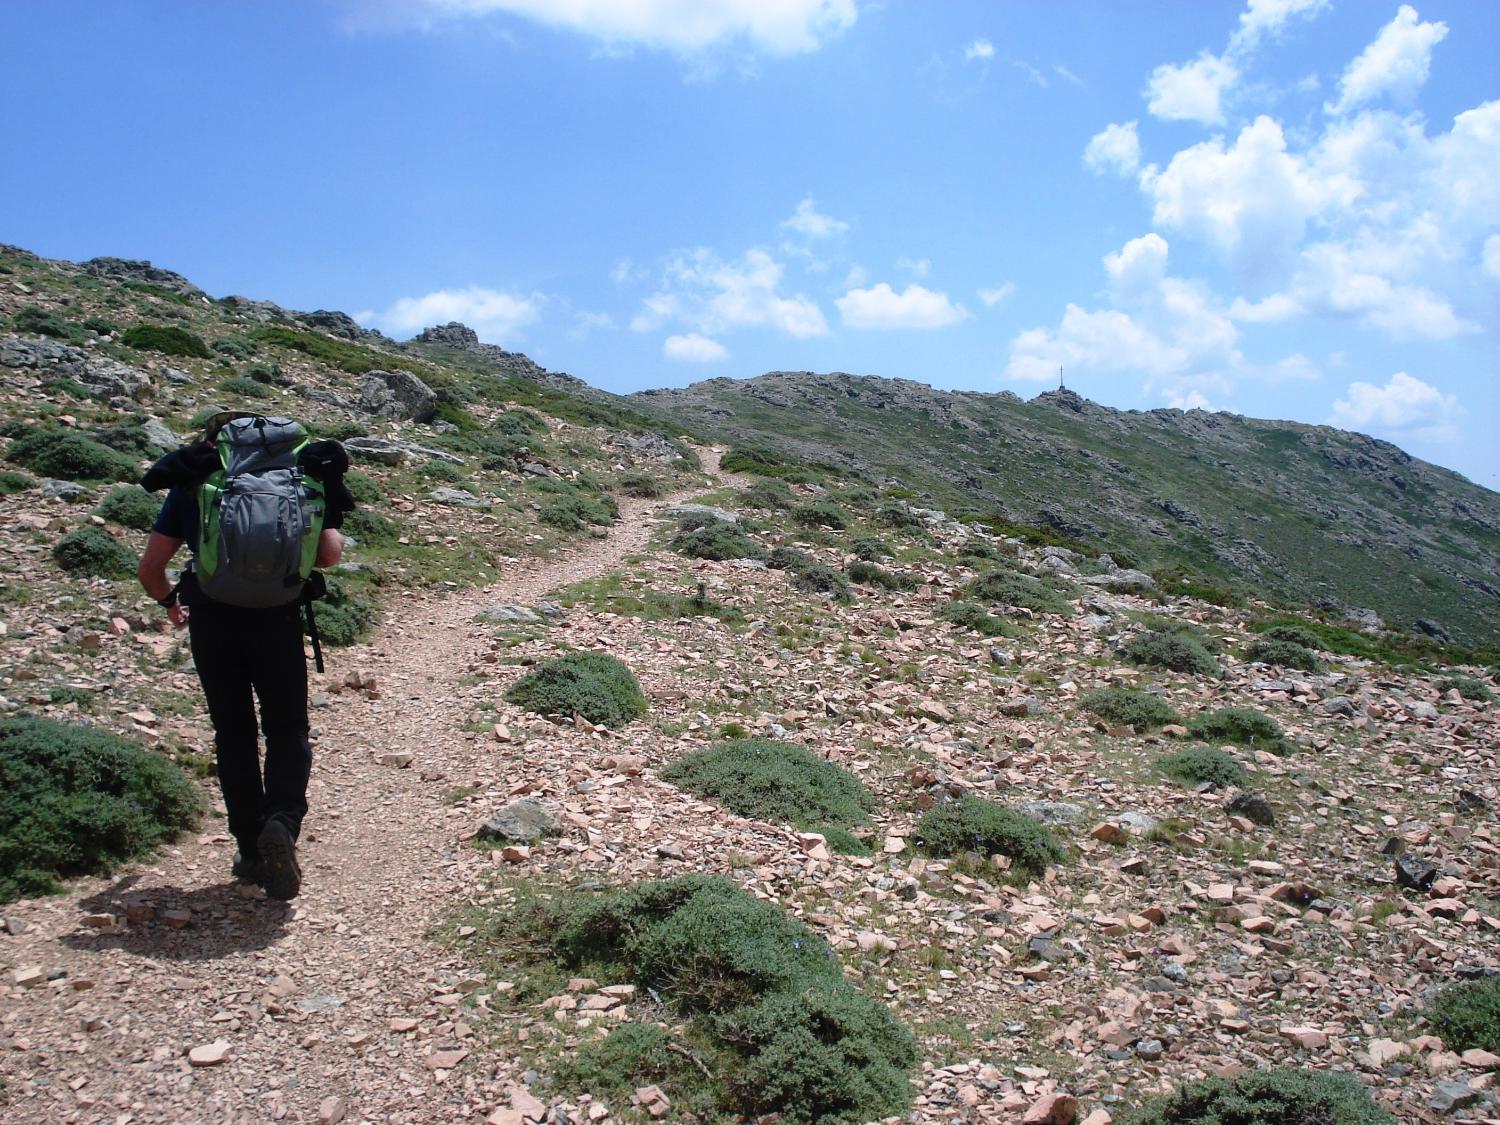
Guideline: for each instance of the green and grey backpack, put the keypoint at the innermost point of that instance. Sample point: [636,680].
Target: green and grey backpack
[260,517]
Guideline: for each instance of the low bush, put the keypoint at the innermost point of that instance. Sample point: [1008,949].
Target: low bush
[76,801]
[821,513]
[1011,587]
[972,615]
[1467,1015]
[268,375]
[816,578]
[870,549]
[1283,1096]
[234,347]
[789,558]
[1283,654]
[167,339]
[598,687]
[245,388]
[43,323]
[843,842]
[12,481]
[1159,649]
[768,463]
[575,513]
[868,574]
[1241,726]
[345,616]
[1294,634]
[769,1010]
[980,549]
[1140,710]
[70,456]
[370,529]
[100,326]
[129,505]
[444,472]
[643,486]
[718,541]
[93,552]
[899,517]
[773,781]
[1468,687]
[1197,764]
[127,436]
[364,488]
[629,1057]
[976,824]
[455,414]
[519,422]
[768,495]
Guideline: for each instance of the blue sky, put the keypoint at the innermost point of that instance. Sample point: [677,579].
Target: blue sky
[1283,208]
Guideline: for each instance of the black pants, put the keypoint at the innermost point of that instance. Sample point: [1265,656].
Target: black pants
[244,656]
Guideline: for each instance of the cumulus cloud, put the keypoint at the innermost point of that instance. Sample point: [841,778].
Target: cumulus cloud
[1395,65]
[807,222]
[496,316]
[1193,91]
[785,27]
[1116,148]
[693,348]
[979,49]
[1262,18]
[917,267]
[992,297]
[1490,256]
[1405,405]
[913,307]
[1106,340]
[710,295]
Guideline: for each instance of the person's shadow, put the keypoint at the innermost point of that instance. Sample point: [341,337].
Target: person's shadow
[161,920]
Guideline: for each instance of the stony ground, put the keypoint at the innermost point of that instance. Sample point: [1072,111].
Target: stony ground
[168,994]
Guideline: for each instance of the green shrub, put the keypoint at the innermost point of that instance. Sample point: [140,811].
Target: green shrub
[768,1004]
[245,388]
[128,437]
[976,824]
[972,615]
[821,513]
[899,517]
[1282,1096]
[773,781]
[868,574]
[1283,654]
[92,551]
[455,414]
[1197,764]
[1468,687]
[718,540]
[443,471]
[841,841]
[1294,634]
[520,422]
[234,347]
[1140,710]
[869,548]
[816,578]
[788,558]
[591,684]
[371,529]
[1159,649]
[130,505]
[980,549]
[1010,587]
[768,495]
[575,513]
[629,1057]
[1467,1015]
[70,456]
[1241,726]
[364,488]
[768,463]
[12,481]
[43,323]
[76,801]
[344,616]
[167,339]
[267,375]
[100,326]
[643,486]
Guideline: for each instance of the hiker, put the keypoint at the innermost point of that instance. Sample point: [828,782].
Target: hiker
[258,506]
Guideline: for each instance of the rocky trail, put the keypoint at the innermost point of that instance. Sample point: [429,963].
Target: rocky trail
[171,994]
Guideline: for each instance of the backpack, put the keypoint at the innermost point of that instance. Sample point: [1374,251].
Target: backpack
[260,516]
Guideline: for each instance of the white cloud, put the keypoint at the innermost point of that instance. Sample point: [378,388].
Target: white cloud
[992,297]
[917,267]
[979,49]
[1267,17]
[1395,64]
[1116,148]
[585,322]
[782,27]
[1268,310]
[883,307]
[856,277]
[694,348]
[1035,76]
[808,222]
[710,295]
[1405,405]
[1189,399]
[1192,91]
[497,317]
[1103,341]
[1490,256]
[1066,75]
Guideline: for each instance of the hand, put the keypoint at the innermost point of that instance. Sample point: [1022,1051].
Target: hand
[179,614]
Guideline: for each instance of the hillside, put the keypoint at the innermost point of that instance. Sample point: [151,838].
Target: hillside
[1310,514]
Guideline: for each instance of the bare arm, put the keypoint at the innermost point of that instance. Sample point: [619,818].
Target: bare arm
[152,571]
[330,548]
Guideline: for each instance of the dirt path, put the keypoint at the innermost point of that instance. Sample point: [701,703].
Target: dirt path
[334,1006]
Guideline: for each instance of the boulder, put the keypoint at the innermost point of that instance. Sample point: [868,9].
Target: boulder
[677,511]
[460,497]
[378,450]
[100,377]
[334,323]
[520,822]
[452,335]
[131,269]
[398,395]
[1253,807]
[1122,582]
[1051,812]
[505,614]
[159,435]
[1414,872]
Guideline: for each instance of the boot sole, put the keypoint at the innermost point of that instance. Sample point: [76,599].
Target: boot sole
[278,858]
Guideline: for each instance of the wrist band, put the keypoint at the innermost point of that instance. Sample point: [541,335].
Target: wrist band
[169,601]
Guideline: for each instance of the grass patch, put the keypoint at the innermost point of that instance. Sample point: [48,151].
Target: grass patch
[608,594]
[972,615]
[244,387]
[1283,1096]
[1157,648]
[43,323]
[166,339]
[868,574]
[129,505]
[364,488]
[976,824]
[1140,710]
[93,552]
[1467,1015]
[1196,764]
[12,482]
[67,455]
[345,616]
[768,1008]
[77,800]
[1010,587]
[1241,726]
[774,781]
[598,687]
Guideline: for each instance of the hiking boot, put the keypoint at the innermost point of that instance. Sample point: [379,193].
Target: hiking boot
[247,869]
[278,858]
